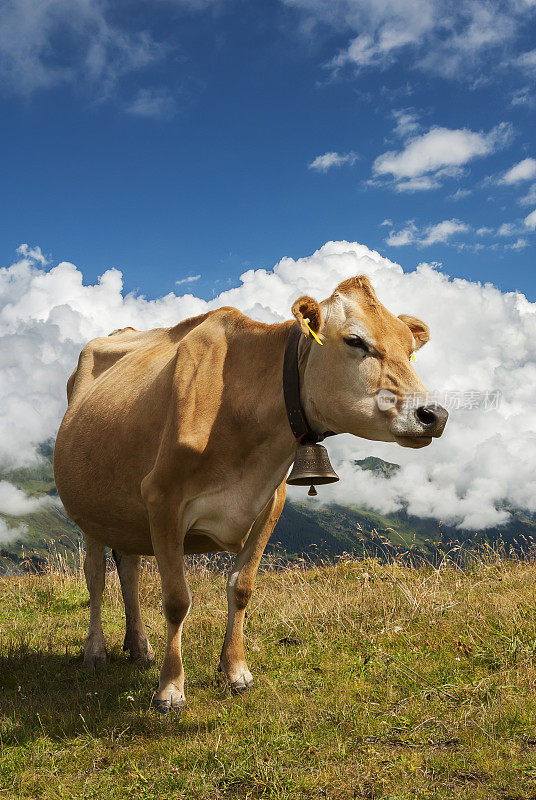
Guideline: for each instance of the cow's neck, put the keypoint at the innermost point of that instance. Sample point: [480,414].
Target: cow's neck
[270,429]
[295,360]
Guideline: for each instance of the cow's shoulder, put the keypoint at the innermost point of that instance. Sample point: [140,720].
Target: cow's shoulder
[213,335]
[205,382]
[218,320]
[201,348]
[214,330]
[123,330]
[103,352]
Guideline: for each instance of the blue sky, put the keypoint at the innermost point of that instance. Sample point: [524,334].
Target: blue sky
[181,138]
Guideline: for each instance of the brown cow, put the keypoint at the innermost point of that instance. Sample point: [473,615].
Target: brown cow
[176,440]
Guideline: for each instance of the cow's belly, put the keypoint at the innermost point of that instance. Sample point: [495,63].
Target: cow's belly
[227,515]
[128,539]
[212,521]
[216,519]
[131,541]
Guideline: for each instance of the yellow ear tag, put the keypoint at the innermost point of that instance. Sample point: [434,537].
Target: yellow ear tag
[312,331]
[413,357]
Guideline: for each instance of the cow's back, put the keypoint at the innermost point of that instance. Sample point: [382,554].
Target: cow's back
[102,353]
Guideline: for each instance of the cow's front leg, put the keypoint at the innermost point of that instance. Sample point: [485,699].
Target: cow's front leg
[95,572]
[239,590]
[168,548]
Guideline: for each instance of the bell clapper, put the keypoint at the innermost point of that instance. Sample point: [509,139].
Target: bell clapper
[312,491]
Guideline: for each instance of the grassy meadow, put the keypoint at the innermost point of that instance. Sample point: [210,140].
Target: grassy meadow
[372,681]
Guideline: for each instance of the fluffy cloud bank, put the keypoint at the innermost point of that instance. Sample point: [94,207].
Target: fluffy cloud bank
[14,501]
[483,341]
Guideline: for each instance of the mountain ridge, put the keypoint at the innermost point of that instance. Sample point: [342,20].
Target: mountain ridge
[305,528]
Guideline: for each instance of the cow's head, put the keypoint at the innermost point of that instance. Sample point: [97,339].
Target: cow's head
[361,380]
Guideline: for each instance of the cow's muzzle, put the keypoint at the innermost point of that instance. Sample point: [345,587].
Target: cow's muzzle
[433,418]
[416,427]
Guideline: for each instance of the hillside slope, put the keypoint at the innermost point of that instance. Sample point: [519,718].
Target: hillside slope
[305,527]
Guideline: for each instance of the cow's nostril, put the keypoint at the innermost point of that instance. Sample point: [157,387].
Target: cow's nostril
[426,415]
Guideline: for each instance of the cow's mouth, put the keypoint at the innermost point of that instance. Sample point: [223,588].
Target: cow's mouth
[413,441]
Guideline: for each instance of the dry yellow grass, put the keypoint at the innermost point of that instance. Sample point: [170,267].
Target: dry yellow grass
[373,680]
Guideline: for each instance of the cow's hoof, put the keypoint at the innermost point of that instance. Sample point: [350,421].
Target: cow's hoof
[94,661]
[94,653]
[170,698]
[142,659]
[238,686]
[138,646]
[166,706]
[142,655]
[241,685]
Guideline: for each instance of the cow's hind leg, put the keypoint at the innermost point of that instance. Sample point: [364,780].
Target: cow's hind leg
[95,572]
[128,568]
[239,590]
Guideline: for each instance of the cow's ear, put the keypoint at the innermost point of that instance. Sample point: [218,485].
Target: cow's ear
[305,308]
[420,331]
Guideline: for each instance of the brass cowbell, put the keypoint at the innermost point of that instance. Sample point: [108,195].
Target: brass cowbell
[311,465]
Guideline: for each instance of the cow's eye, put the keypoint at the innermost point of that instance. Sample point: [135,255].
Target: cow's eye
[356,341]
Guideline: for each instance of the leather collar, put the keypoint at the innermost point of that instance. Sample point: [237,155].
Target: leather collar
[303,433]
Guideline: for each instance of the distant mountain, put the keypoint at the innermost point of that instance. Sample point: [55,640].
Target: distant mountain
[305,527]
[377,465]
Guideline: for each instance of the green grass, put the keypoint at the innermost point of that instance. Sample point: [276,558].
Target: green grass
[373,681]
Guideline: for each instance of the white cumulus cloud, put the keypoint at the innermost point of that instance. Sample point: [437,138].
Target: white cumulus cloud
[482,341]
[529,199]
[460,194]
[9,533]
[442,231]
[454,40]
[439,232]
[329,160]
[530,220]
[523,171]
[188,279]
[422,184]
[527,61]
[519,244]
[407,121]
[438,149]
[15,502]
[523,97]
[45,43]
[155,103]
[507,229]
[406,235]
